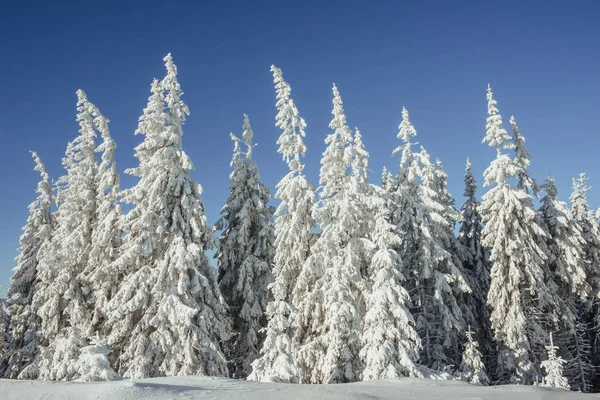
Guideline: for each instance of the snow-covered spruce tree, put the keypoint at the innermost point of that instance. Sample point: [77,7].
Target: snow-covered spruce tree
[418,212]
[439,283]
[59,298]
[245,255]
[523,159]
[589,310]
[22,346]
[590,231]
[293,226]
[472,366]
[401,199]
[99,278]
[518,291]
[553,366]
[477,272]
[566,263]
[390,343]
[168,316]
[93,364]
[329,310]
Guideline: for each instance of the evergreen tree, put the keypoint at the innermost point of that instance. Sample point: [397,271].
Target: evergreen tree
[472,365]
[22,335]
[477,271]
[588,327]
[518,292]
[245,255]
[293,227]
[168,316]
[390,343]
[440,282]
[60,299]
[554,369]
[422,211]
[99,277]
[590,231]
[329,311]
[93,364]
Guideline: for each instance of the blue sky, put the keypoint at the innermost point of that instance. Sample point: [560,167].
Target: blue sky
[434,57]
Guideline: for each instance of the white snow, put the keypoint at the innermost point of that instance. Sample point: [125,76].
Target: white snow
[195,387]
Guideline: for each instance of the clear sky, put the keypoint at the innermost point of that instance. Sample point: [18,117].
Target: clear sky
[434,57]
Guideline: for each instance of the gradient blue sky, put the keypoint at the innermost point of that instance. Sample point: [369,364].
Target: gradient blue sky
[434,57]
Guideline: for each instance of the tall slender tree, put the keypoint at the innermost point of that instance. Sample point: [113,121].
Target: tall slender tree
[168,316]
[329,312]
[390,343]
[421,209]
[477,269]
[518,292]
[440,282]
[60,300]
[589,310]
[245,255]
[293,229]
[98,277]
[19,359]
[569,278]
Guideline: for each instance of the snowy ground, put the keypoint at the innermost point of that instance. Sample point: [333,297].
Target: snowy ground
[191,387]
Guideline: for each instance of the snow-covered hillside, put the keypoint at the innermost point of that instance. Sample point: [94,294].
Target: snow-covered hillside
[192,387]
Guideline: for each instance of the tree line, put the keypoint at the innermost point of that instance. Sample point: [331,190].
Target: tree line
[343,282]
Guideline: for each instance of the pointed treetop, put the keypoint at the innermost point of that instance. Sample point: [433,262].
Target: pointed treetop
[550,187]
[469,334]
[291,145]
[171,68]
[470,185]
[247,135]
[579,204]
[339,117]
[360,160]
[406,128]
[81,96]
[495,134]
[39,166]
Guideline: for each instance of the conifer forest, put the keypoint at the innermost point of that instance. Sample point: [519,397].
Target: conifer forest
[351,278]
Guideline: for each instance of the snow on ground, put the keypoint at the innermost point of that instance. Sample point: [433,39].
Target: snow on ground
[193,387]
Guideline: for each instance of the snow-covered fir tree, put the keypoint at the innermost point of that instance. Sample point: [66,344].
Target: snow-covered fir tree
[60,299]
[390,343]
[330,317]
[567,267]
[22,335]
[245,255]
[472,366]
[590,230]
[168,316]
[293,228]
[553,366]
[99,278]
[439,281]
[589,309]
[523,160]
[93,364]
[420,213]
[477,271]
[518,291]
